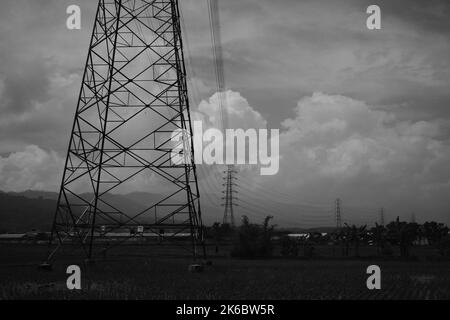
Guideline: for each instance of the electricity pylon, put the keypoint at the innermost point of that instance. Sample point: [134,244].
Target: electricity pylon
[132,112]
[214,19]
[338,214]
[228,215]
[413,217]
[382,217]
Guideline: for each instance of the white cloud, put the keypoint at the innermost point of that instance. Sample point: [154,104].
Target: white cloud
[334,146]
[31,168]
[342,136]
[240,114]
[338,146]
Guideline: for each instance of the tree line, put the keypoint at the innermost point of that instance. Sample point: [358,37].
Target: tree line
[251,240]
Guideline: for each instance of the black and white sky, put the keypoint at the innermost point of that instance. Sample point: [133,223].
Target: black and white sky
[364,115]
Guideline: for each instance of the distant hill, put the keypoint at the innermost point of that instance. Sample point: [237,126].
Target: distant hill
[21,214]
[23,211]
[31,209]
[35,194]
[307,230]
[145,199]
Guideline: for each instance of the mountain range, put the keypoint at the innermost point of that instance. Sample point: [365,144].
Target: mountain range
[33,209]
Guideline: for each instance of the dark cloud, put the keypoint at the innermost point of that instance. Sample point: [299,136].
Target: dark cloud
[430,17]
[25,85]
[40,72]
[287,48]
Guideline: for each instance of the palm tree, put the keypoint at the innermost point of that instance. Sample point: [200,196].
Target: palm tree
[253,240]
[434,232]
[356,235]
[378,234]
[343,237]
[403,234]
[351,235]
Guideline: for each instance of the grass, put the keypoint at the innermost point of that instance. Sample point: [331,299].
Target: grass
[226,278]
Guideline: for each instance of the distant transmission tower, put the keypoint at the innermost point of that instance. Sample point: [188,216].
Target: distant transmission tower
[133,97]
[214,19]
[228,215]
[382,217]
[413,217]
[338,213]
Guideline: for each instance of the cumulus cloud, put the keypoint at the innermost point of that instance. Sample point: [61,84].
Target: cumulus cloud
[343,136]
[30,168]
[238,111]
[336,146]
[333,146]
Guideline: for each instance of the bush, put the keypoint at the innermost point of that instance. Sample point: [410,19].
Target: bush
[252,240]
[289,247]
[386,250]
[444,246]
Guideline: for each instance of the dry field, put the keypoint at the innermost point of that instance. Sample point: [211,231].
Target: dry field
[149,277]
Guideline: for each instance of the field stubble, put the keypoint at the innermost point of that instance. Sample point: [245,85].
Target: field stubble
[140,277]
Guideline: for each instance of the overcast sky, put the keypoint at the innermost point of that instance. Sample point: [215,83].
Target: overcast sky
[364,115]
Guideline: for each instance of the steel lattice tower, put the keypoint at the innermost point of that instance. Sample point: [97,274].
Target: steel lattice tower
[214,18]
[228,215]
[338,213]
[133,97]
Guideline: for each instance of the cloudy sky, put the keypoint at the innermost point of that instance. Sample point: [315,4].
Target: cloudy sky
[363,115]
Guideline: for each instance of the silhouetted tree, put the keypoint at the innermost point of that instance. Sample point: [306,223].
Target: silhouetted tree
[402,234]
[355,235]
[289,247]
[253,240]
[444,246]
[434,232]
[378,236]
[343,237]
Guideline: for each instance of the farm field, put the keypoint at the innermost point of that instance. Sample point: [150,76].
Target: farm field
[140,277]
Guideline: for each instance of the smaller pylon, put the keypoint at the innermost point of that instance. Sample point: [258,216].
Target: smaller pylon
[382,217]
[338,213]
[228,214]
